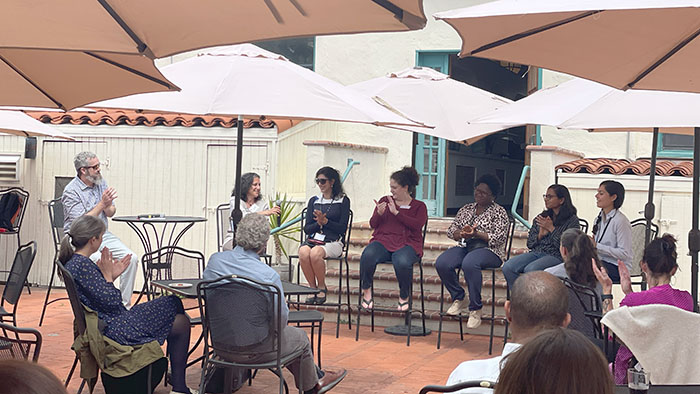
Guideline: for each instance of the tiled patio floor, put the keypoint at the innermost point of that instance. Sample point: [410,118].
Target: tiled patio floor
[378,363]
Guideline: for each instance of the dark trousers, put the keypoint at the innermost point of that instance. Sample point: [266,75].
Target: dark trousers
[402,259]
[471,263]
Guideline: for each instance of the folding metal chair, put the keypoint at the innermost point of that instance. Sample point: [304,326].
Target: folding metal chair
[56,220]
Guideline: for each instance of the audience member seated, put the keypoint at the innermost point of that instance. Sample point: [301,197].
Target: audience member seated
[481,228]
[658,265]
[543,240]
[159,319]
[88,194]
[578,251]
[251,202]
[25,377]
[397,222]
[251,237]
[538,301]
[326,222]
[554,362]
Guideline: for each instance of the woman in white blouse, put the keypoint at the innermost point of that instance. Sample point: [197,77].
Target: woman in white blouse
[612,232]
[251,202]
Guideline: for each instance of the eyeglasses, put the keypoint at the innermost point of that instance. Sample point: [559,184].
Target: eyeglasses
[548,196]
[95,167]
[481,192]
[321,181]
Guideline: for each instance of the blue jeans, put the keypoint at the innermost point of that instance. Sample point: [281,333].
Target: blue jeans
[402,259]
[472,263]
[528,262]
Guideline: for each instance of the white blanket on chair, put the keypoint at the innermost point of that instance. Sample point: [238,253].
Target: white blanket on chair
[664,339]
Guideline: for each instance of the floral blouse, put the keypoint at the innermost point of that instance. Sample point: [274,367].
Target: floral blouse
[493,221]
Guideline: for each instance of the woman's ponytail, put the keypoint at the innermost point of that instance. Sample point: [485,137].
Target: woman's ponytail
[82,230]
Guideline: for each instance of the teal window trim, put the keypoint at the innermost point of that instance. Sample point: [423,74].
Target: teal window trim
[672,153]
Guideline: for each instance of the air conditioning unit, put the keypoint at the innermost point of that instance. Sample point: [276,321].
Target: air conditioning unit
[10,167]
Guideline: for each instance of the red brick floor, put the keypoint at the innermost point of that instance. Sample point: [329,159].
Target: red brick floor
[377,363]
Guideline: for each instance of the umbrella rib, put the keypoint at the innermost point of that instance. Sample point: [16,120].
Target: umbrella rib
[664,58]
[131,70]
[140,45]
[26,78]
[274,11]
[391,7]
[532,32]
[299,8]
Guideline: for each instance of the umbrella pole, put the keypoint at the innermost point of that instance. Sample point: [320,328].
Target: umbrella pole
[237,213]
[694,235]
[649,209]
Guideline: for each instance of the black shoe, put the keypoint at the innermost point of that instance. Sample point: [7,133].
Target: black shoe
[312,299]
[322,300]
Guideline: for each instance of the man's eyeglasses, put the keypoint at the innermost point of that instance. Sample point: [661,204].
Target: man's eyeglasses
[321,181]
[95,167]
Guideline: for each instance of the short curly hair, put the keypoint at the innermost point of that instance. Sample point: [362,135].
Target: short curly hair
[252,232]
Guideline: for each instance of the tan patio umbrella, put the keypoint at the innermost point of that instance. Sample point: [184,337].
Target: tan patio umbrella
[161,28]
[245,80]
[19,123]
[638,44]
[433,98]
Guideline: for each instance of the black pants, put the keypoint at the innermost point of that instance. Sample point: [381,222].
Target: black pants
[613,272]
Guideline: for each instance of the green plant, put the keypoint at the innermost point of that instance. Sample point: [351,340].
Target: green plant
[287,214]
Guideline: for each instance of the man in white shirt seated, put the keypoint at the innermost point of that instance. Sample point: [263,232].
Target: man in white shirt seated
[538,301]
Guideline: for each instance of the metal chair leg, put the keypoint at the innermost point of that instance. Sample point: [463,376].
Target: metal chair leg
[48,292]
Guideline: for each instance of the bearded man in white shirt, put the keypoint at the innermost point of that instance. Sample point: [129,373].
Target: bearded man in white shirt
[538,301]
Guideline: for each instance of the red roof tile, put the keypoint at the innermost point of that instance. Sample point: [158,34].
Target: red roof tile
[619,167]
[113,117]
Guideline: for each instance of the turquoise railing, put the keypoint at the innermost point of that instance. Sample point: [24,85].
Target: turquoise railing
[516,199]
[351,163]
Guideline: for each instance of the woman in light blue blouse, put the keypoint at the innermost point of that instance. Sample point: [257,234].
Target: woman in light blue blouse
[612,231]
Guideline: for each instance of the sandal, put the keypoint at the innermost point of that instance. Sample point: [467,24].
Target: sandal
[321,300]
[369,304]
[311,299]
[402,305]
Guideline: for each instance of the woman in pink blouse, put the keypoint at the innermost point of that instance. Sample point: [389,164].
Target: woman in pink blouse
[397,222]
[658,265]
[481,228]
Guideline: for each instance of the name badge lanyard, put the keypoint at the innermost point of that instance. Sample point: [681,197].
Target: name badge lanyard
[320,203]
[606,227]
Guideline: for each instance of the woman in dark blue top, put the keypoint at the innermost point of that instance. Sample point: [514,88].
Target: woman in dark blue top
[160,319]
[327,217]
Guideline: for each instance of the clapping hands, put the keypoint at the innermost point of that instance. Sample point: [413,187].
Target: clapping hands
[545,223]
[320,217]
[110,267]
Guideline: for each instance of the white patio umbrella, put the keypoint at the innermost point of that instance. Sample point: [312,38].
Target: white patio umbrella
[433,98]
[19,123]
[245,80]
[639,44]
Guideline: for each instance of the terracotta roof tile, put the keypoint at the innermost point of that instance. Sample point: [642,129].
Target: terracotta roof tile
[113,117]
[621,166]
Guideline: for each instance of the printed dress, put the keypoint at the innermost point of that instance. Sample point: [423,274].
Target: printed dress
[141,324]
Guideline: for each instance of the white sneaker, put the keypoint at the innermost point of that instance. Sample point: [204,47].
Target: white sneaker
[458,307]
[474,319]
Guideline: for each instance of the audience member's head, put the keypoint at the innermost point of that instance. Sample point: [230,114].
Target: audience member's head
[556,361]
[660,256]
[538,301]
[83,230]
[578,251]
[247,181]
[252,232]
[24,377]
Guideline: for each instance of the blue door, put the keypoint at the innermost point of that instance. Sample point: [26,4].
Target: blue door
[431,152]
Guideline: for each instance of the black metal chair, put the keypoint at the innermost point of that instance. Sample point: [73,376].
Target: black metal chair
[241,317]
[639,227]
[583,225]
[457,387]
[19,343]
[309,319]
[152,373]
[24,258]
[158,265]
[342,261]
[14,201]
[492,318]
[223,225]
[56,220]
[408,314]
[586,312]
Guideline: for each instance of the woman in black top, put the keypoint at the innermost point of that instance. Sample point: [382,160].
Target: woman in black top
[327,217]
[543,239]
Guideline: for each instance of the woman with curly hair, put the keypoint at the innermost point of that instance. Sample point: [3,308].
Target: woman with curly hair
[397,222]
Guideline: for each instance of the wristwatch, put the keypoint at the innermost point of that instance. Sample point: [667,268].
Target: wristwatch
[606,297]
